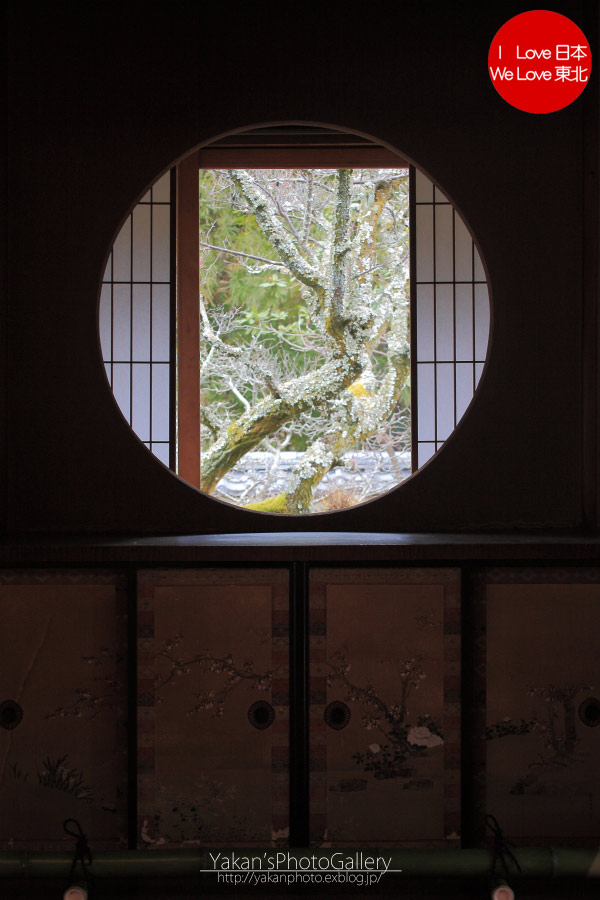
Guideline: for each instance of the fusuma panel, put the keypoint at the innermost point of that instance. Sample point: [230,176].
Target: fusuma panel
[63,735]
[213,708]
[537,736]
[385,707]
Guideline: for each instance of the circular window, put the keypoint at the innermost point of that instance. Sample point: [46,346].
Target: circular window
[294,320]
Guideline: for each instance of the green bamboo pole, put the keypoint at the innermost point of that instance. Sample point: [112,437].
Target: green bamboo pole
[543,862]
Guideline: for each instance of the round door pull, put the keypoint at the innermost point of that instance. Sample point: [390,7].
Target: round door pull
[337,715]
[589,712]
[261,715]
[10,714]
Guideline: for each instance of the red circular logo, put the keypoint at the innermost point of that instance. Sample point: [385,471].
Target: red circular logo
[540,61]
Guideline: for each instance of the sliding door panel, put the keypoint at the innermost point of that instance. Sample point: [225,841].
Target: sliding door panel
[384,715]
[213,707]
[63,735]
[537,736]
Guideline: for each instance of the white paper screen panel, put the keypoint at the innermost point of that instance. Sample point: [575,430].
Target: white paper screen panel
[135,318]
[452,318]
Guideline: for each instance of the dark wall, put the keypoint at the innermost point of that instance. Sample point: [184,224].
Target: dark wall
[104,99]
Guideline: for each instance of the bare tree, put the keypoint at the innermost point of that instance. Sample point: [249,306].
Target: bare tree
[342,236]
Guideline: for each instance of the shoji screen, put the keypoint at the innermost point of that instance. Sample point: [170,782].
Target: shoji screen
[135,319]
[451,317]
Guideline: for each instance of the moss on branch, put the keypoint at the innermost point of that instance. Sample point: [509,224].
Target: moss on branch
[367,413]
[298,396]
[356,313]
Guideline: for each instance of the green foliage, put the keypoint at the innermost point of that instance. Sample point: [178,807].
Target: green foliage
[266,307]
[226,281]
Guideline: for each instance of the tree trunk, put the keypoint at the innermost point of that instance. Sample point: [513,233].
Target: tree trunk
[301,395]
[366,417]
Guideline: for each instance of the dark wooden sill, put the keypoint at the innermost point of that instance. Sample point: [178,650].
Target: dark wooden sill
[300,546]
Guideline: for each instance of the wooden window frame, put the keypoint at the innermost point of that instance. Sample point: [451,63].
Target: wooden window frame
[293,147]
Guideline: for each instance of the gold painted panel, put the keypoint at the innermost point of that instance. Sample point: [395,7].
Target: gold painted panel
[542,777]
[213,708]
[385,651]
[63,747]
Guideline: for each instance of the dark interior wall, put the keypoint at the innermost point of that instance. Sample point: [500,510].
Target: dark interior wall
[103,99]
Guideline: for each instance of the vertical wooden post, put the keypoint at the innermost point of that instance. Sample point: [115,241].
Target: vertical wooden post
[188,322]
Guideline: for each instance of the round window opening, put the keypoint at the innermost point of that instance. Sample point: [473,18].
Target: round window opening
[294,319]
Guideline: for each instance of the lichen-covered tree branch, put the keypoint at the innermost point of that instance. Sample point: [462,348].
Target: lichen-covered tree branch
[304,313]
